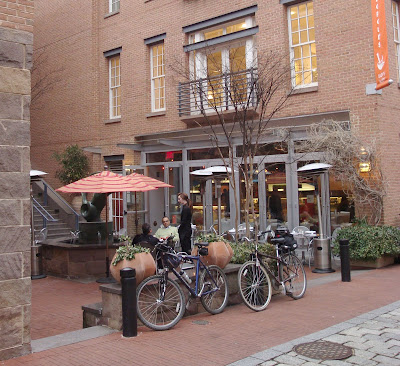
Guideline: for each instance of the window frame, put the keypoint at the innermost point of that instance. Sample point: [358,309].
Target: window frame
[153,78]
[116,87]
[291,49]
[396,28]
[111,4]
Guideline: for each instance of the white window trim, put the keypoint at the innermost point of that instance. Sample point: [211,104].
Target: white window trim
[153,109]
[291,51]
[397,43]
[111,101]
[110,5]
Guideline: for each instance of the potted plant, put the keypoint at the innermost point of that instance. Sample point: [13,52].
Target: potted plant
[370,246]
[219,251]
[133,256]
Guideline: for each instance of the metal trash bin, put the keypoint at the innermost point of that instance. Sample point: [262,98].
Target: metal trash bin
[322,256]
[36,262]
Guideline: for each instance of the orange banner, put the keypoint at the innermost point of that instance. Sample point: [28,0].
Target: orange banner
[381,61]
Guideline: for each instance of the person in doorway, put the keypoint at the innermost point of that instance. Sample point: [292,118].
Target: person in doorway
[185,228]
[275,205]
[167,230]
[145,236]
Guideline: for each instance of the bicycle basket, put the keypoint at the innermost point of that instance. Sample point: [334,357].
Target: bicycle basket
[172,260]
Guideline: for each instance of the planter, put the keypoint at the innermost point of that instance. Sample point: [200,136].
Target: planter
[377,263]
[143,263]
[219,253]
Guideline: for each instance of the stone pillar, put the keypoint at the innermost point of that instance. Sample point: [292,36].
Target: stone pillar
[15,254]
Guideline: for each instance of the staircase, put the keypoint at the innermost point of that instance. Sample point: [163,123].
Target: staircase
[55,229]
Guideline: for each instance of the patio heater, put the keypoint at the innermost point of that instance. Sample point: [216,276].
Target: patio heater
[321,247]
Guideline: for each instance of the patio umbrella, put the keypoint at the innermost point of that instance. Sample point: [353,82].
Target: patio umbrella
[105,182]
[140,178]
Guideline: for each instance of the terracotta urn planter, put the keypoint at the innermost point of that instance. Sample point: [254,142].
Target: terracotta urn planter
[143,263]
[219,253]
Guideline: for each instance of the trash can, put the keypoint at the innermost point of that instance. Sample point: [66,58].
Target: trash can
[322,256]
[36,262]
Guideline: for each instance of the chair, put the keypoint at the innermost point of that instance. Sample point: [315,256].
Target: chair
[303,242]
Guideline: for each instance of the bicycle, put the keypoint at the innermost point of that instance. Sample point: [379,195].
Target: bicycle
[255,286]
[160,300]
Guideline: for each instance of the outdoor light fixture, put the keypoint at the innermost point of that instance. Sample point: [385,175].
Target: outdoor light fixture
[364,167]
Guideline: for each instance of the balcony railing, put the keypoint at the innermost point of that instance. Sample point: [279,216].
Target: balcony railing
[218,93]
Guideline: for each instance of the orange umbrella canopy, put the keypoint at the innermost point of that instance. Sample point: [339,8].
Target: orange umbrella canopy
[136,177]
[106,182]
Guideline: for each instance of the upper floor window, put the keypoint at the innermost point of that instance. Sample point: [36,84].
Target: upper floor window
[396,30]
[115,86]
[157,77]
[113,5]
[223,63]
[303,52]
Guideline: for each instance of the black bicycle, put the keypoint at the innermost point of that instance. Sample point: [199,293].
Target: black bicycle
[160,300]
[255,285]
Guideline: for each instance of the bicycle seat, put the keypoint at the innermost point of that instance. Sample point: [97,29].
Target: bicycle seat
[279,240]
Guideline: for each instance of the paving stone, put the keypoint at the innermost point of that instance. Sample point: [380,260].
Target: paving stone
[364,354]
[339,338]
[336,363]
[384,351]
[356,360]
[388,361]
[394,342]
[357,345]
[268,363]
[359,332]
[289,360]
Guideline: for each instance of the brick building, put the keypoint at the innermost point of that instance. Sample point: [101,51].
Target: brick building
[110,72]
[16,44]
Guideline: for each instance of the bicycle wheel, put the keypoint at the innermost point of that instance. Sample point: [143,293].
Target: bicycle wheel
[160,304]
[254,286]
[293,275]
[214,286]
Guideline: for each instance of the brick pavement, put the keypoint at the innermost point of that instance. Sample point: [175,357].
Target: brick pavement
[236,333]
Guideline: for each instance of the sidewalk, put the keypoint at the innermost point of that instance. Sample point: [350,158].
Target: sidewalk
[326,312]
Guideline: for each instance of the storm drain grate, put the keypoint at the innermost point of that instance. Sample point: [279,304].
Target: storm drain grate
[323,350]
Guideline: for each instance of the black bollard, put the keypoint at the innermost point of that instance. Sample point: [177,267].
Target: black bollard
[129,317]
[345,260]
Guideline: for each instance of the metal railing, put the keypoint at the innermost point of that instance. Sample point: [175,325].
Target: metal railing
[50,194]
[218,93]
[43,212]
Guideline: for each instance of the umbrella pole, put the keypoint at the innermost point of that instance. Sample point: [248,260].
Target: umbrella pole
[107,254]
[136,218]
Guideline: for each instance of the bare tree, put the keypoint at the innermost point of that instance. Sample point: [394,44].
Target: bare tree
[44,76]
[354,161]
[234,107]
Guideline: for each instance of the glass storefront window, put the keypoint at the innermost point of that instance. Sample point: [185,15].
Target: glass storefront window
[197,190]
[275,148]
[208,153]
[164,156]
[276,195]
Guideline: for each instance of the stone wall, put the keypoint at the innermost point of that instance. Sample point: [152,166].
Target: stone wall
[15,255]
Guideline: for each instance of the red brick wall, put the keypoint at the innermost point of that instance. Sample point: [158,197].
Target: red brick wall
[76,38]
[17,14]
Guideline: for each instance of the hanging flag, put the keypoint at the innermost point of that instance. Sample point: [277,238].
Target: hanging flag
[381,61]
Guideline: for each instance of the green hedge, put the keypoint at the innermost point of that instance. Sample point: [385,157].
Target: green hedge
[369,242]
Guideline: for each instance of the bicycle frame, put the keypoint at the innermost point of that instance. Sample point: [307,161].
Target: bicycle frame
[256,257]
[196,292]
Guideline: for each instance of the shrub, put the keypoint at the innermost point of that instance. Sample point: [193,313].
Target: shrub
[74,164]
[242,251]
[369,242]
[128,252]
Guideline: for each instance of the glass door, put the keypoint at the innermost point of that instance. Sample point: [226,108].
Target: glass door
[174,177]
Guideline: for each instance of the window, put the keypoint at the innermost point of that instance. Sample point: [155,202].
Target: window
[157,77]
[113,6]
[396,30]
[303,52]
[224,64]
[115,86]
